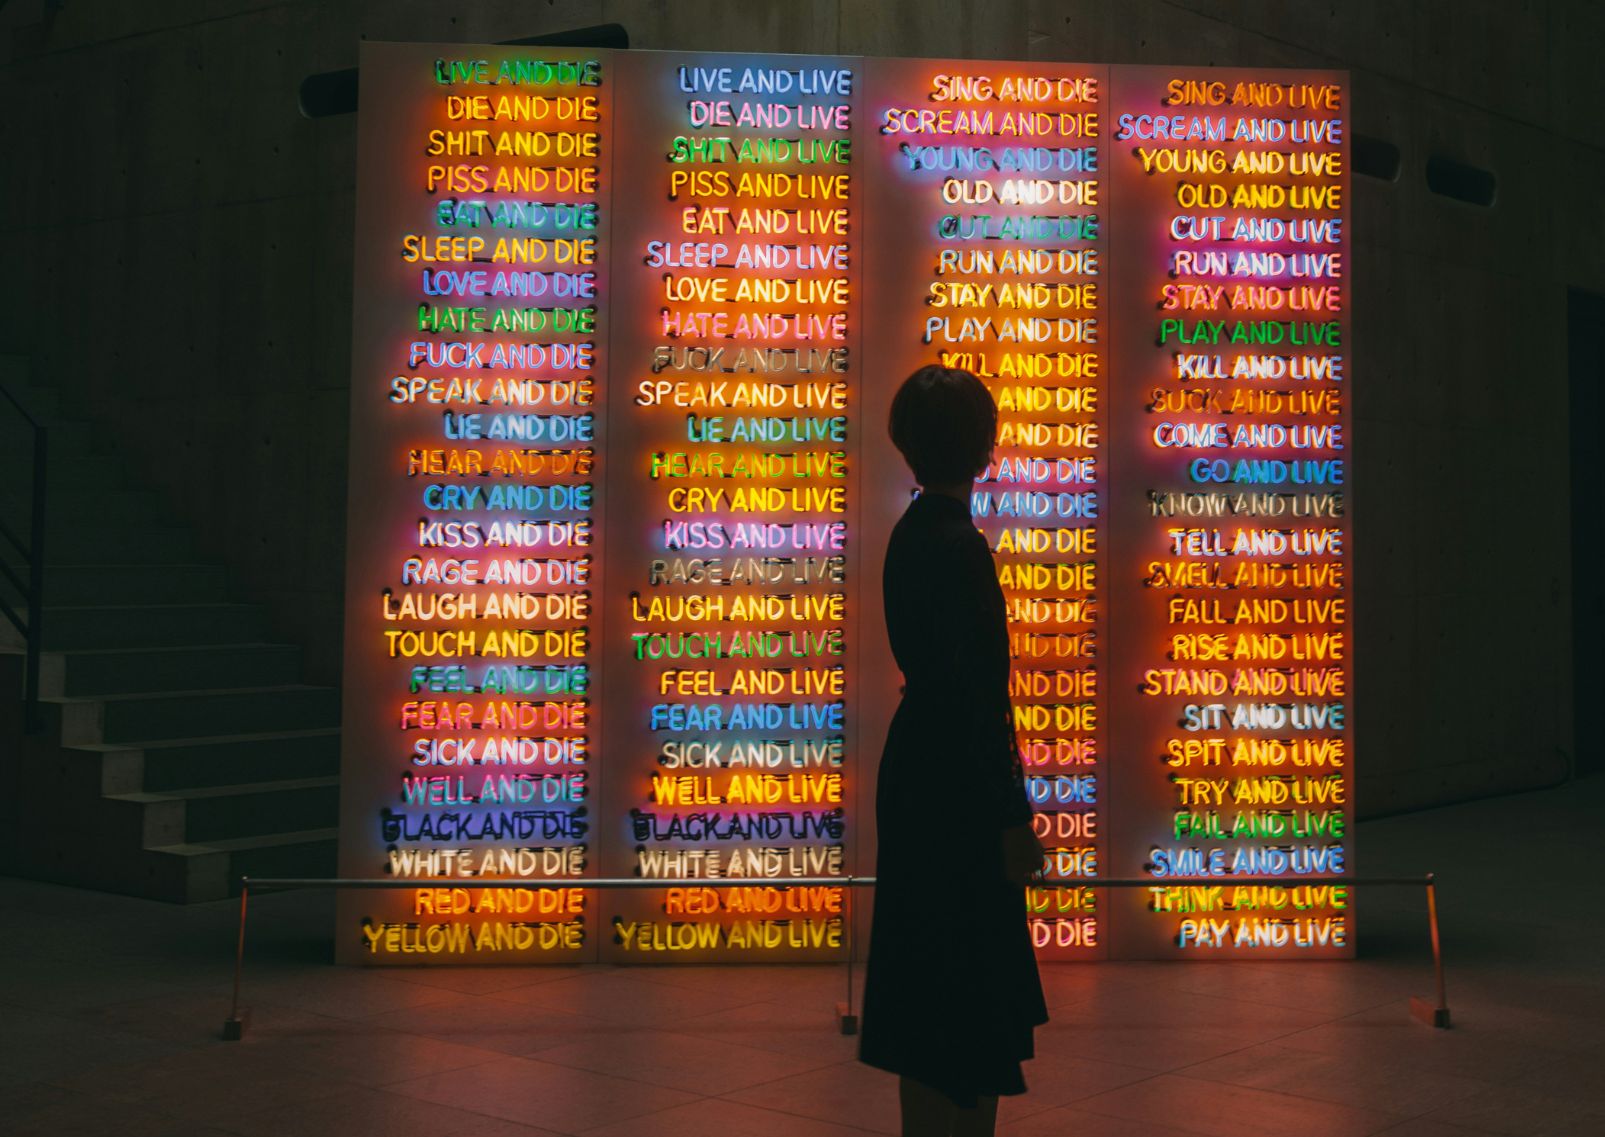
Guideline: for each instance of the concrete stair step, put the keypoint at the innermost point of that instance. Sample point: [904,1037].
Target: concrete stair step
[235,812]
[178,743]
[122,671]
[132,719]
[212,871]
[189,763]
[223,813]
[311,853]
[67,627]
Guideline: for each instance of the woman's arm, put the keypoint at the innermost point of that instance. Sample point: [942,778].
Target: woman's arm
[984,635]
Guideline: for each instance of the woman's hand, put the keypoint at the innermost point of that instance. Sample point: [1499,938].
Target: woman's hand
[1022,854]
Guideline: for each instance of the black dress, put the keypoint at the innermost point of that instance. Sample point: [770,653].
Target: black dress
[951,993]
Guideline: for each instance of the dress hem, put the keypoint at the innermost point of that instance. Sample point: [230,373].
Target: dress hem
[963,1101]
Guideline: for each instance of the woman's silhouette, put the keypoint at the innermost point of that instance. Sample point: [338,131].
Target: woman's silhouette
[952,993]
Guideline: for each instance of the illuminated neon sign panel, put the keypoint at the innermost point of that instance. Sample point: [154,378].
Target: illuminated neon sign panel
[627,328]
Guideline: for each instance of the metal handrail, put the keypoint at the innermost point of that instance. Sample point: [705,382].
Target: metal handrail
[33,553]
[1433,1013]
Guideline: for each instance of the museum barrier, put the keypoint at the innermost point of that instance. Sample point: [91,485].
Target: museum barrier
[1434,1012]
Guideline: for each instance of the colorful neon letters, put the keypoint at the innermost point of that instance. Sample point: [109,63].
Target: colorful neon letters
[1235,436]
[735,422]
[997,170]
[627,329]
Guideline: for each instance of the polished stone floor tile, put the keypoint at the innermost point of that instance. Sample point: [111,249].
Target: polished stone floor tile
[494,1022]
[620,996]
[1172,1007]
[700,1064]
[189,1018]
[1393,1088]
[1220,1110]
[800,1026]
[1058,1075]
[1584,1126]
[35,1045]
[48,1111]
[1069,1121]
[343,992]
[713,1117]
[1577,1077]
[477,980]
[1154,1048]
[1066,986]
[1331,987]
[847,1094]
[1518,1110]
[531,1092]
[1563,1021]
[88,1117]
[205,1084]
[1386,1035]
[368,1113]
[1421,1127]
[64,985]
[110,1010]
[759,984]
[358,1052]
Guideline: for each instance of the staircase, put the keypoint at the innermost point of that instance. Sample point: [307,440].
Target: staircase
[180,748]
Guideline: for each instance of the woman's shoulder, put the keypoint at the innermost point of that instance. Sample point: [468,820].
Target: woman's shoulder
[940,529]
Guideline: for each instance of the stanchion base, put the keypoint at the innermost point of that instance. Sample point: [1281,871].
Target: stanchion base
[234,1028]
[1429,1012]
[847,1020]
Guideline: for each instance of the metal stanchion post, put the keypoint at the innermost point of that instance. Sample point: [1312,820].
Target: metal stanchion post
[1433,1014]
[844,1011]
[234,1025]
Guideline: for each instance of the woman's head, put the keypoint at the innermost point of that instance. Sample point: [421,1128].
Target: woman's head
[945,424]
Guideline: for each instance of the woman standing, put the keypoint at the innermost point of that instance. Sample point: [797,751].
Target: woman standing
[952,992]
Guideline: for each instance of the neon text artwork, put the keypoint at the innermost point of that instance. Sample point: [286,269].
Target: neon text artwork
[627,328]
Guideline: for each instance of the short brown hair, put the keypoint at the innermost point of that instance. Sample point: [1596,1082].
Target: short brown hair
[945,424]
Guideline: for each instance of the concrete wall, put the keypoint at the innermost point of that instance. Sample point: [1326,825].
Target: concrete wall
[179,252]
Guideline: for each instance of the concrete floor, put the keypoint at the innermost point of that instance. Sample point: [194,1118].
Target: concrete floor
[110,1010]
